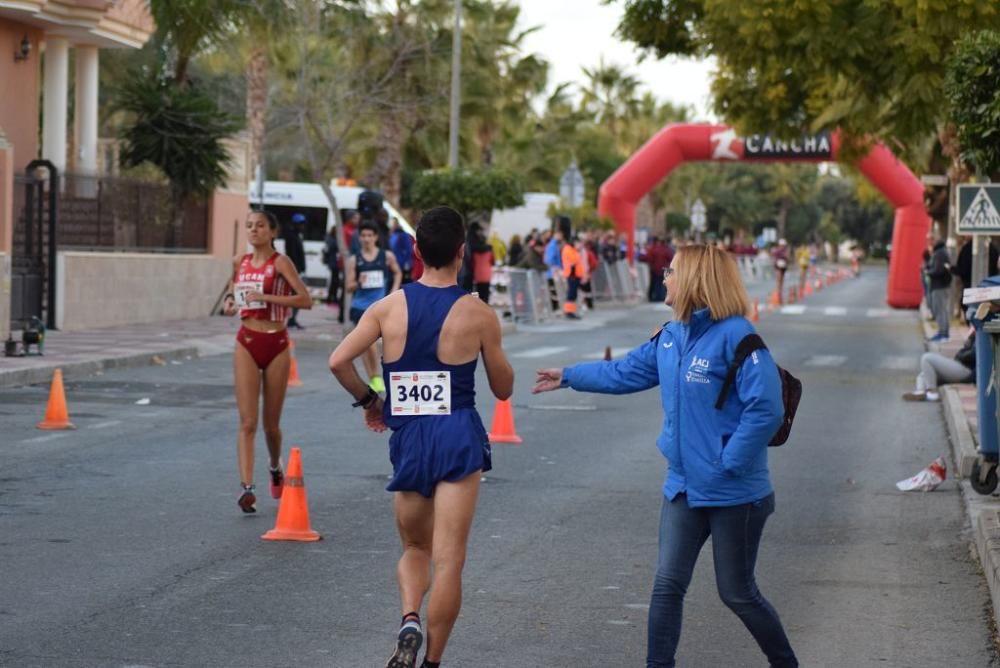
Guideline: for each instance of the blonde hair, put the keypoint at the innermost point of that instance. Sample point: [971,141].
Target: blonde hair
[708,276]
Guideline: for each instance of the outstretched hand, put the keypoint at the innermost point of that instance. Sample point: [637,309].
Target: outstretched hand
[373,416]
[547,380]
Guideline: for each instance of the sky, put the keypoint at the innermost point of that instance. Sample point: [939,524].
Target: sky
[576,33]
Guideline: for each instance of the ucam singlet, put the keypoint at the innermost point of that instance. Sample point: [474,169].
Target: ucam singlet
[264,279]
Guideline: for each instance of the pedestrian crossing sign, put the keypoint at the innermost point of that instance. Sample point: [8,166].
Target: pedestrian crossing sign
[979,208]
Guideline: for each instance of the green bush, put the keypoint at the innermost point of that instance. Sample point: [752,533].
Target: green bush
[471,192]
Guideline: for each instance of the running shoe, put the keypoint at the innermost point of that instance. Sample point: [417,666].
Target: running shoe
[377,384]
[407,645]
[277,482]
[248,500]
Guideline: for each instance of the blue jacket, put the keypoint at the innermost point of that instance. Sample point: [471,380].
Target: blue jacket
[552,257]
[718,457]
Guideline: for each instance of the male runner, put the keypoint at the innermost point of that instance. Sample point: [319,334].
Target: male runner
[434,332]
[365,276]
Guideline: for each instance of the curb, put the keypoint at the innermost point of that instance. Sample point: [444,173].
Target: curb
[72,370]
[964,448]
[987,527]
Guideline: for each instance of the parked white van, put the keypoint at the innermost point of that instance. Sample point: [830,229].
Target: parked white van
[285,199]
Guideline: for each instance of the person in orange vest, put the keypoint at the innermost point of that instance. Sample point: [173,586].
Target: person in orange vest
[573,270]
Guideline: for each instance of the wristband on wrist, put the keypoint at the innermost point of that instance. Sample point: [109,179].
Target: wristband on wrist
[367,400]
[228,295]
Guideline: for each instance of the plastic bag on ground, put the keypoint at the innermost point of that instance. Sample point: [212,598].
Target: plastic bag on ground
[926,480]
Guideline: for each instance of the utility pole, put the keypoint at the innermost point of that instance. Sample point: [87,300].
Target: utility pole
[456,82]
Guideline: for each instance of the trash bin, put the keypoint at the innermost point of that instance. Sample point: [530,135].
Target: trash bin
[984,472]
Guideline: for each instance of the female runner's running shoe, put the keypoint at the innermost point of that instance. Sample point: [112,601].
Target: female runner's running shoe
[277,482]
[248,500]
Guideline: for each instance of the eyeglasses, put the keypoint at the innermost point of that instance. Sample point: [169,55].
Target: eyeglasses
[667,271]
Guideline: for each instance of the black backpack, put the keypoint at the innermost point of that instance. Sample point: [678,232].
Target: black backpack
[791,387]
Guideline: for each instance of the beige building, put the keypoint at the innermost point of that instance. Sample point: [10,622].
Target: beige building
[37,38]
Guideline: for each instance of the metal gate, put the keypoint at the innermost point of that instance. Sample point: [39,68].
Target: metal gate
[33,257]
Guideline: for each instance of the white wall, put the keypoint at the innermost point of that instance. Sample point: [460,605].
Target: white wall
[107,289]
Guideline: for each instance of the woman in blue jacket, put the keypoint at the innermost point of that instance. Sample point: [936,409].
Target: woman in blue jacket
[717,482]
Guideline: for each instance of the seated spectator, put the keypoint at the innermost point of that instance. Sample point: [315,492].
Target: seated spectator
[935,368]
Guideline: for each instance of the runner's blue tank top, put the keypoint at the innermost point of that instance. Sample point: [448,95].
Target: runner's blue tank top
[365,297]
[427,309]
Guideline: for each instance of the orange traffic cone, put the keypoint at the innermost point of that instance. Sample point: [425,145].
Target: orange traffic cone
[807,290]
[755,316]
[502,430]
[293,511]
[293,373]
[607,353]
[56,415]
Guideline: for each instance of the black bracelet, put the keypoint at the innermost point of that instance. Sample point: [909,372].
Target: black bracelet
[228,295]
[367,400]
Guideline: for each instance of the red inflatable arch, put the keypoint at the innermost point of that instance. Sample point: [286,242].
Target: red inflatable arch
[675,144]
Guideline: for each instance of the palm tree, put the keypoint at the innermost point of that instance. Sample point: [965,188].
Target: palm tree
[610,95]
[181,131]
[186,27]
[260,19]
[498,83]
[407,47]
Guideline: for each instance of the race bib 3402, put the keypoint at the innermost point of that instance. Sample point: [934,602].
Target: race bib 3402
[420,392]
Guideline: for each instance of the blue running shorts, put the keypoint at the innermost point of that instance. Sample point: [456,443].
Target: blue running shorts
[433,448]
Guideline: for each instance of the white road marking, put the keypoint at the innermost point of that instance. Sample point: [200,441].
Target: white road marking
[544,351]
[105,425]
[42,439]
[835,310]
[826,360]
[615,352]
[877,313]
[794,309]
[899,362]
[582,407]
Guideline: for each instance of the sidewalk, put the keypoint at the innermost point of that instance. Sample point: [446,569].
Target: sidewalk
[958,402]
[86,352]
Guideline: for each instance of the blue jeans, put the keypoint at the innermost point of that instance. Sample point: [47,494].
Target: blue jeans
[736,532]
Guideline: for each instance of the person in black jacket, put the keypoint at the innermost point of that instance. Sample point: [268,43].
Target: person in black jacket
[296,253]
[935,368]
[963,266]
[939,276]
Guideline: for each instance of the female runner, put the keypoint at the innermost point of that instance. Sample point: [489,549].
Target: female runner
[264,287]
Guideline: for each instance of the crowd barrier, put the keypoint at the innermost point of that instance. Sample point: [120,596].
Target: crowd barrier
[529,297]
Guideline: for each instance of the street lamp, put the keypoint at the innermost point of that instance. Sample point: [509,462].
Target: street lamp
[23,51]
[456,90]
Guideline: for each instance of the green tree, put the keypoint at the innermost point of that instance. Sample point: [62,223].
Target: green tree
[180,130]
[187,27]
[498,80]
[972,88]
[474,193]
[874,69]
[610,94]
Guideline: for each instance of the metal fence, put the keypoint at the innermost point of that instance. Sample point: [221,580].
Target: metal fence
[529,295]
[114,213]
